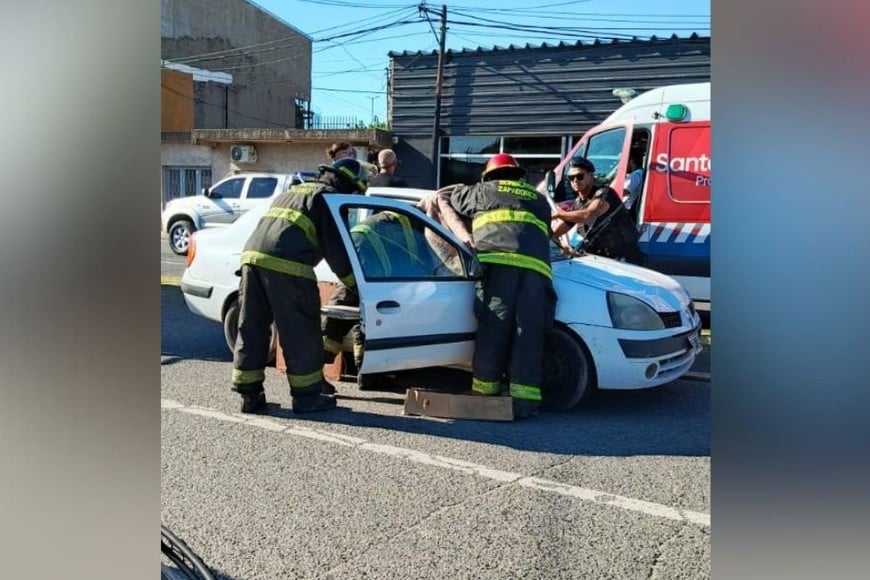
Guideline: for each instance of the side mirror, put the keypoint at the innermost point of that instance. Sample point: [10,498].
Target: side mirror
[551,183]
[206,192]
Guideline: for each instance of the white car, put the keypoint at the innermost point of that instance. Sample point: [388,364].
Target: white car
[222,204]
[617,326]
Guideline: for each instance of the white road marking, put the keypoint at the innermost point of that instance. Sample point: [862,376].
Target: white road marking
[466,467]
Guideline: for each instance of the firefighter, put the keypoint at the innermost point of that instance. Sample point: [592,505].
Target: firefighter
[278,284]
[515,300]
[600,213]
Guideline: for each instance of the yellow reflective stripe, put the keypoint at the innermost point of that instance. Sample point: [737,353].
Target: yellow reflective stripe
[241,377]
[376,244]
[302,381]
[407,230]
[330,345]
[485,387]
[298,219]
[517,260]
[509,215]
[526,392]
[349,280]
[278,264]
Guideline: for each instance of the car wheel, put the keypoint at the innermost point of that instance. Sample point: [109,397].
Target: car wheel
[231,329]
[179,236]
[568,371]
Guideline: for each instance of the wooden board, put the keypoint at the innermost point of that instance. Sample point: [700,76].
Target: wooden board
[458,406]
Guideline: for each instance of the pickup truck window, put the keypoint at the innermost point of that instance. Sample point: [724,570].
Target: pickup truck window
[231,189]
[262,187]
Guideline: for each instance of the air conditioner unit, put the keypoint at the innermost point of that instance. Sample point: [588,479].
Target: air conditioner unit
[243,154]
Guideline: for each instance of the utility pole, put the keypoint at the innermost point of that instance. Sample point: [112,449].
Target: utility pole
[439,81]
[372,118]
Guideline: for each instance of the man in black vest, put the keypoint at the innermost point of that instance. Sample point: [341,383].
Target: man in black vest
[614,237]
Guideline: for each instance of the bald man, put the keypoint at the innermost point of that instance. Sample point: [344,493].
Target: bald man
[386,177]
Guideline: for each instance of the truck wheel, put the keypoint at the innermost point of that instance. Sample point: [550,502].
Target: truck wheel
[179,236]
[568,372]
[231,329]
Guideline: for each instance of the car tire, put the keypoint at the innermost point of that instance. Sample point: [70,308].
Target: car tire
[231,329]
[179,236]
[568,371]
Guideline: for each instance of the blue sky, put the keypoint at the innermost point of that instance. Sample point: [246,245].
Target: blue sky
[349,73]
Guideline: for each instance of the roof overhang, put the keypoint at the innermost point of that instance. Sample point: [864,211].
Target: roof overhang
[356,137]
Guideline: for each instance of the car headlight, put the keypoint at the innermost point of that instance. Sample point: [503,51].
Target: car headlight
[629,313]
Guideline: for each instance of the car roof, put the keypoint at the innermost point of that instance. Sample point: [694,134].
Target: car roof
[405,193]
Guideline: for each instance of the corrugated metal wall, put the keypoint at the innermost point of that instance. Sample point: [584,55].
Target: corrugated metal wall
[545,90]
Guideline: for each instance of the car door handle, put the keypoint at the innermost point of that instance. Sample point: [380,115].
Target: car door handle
[387,306]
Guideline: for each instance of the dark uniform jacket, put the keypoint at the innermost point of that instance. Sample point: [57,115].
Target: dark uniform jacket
[510,223]
[296,232]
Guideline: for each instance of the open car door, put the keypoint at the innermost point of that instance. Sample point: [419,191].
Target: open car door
[416,284]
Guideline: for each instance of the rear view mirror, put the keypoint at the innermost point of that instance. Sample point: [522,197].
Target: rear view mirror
[206,192]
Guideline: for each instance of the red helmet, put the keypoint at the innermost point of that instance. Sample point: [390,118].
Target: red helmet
[502,166]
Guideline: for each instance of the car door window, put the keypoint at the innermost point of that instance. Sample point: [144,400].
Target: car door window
[393,245]
[231,189]
[262,187]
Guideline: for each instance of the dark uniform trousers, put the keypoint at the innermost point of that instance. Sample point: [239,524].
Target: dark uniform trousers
[334,330]
[515,309]
[296,302]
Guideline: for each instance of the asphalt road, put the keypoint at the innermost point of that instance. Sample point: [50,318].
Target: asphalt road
[619,488]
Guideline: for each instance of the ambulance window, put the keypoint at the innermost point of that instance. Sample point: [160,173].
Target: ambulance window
[604,150]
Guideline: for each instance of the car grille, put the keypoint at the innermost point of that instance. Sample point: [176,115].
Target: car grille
[670,319]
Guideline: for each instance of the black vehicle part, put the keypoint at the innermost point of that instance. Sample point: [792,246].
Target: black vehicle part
[185,559]
[569,373]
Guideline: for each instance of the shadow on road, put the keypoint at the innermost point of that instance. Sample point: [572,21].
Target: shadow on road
[184,336]
[670,420]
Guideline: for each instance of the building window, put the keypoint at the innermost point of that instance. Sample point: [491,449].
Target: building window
[184,181]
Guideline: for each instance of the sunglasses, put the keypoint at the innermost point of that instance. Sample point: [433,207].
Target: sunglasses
[578,176]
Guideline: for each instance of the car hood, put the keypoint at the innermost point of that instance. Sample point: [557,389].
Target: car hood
[658,290]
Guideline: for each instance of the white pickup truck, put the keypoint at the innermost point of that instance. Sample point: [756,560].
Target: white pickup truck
[223,203]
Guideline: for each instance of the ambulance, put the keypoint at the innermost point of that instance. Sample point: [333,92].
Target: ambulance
[668,129]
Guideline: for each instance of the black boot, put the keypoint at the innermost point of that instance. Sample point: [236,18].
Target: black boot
[310,403]
[253,402]
[523,408]
[327,388]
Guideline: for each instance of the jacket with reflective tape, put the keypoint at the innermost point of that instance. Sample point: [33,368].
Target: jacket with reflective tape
[296,232]
[510,223]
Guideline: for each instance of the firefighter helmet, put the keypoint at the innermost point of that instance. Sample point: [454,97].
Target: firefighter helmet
[502,166]
[351,170]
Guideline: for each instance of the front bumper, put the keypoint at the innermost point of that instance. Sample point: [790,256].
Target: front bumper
[631,359]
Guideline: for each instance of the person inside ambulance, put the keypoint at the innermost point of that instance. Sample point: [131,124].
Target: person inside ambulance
[599,214]
[633,183]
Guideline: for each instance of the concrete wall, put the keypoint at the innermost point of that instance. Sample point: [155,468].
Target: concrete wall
[262,94]
[271,157]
